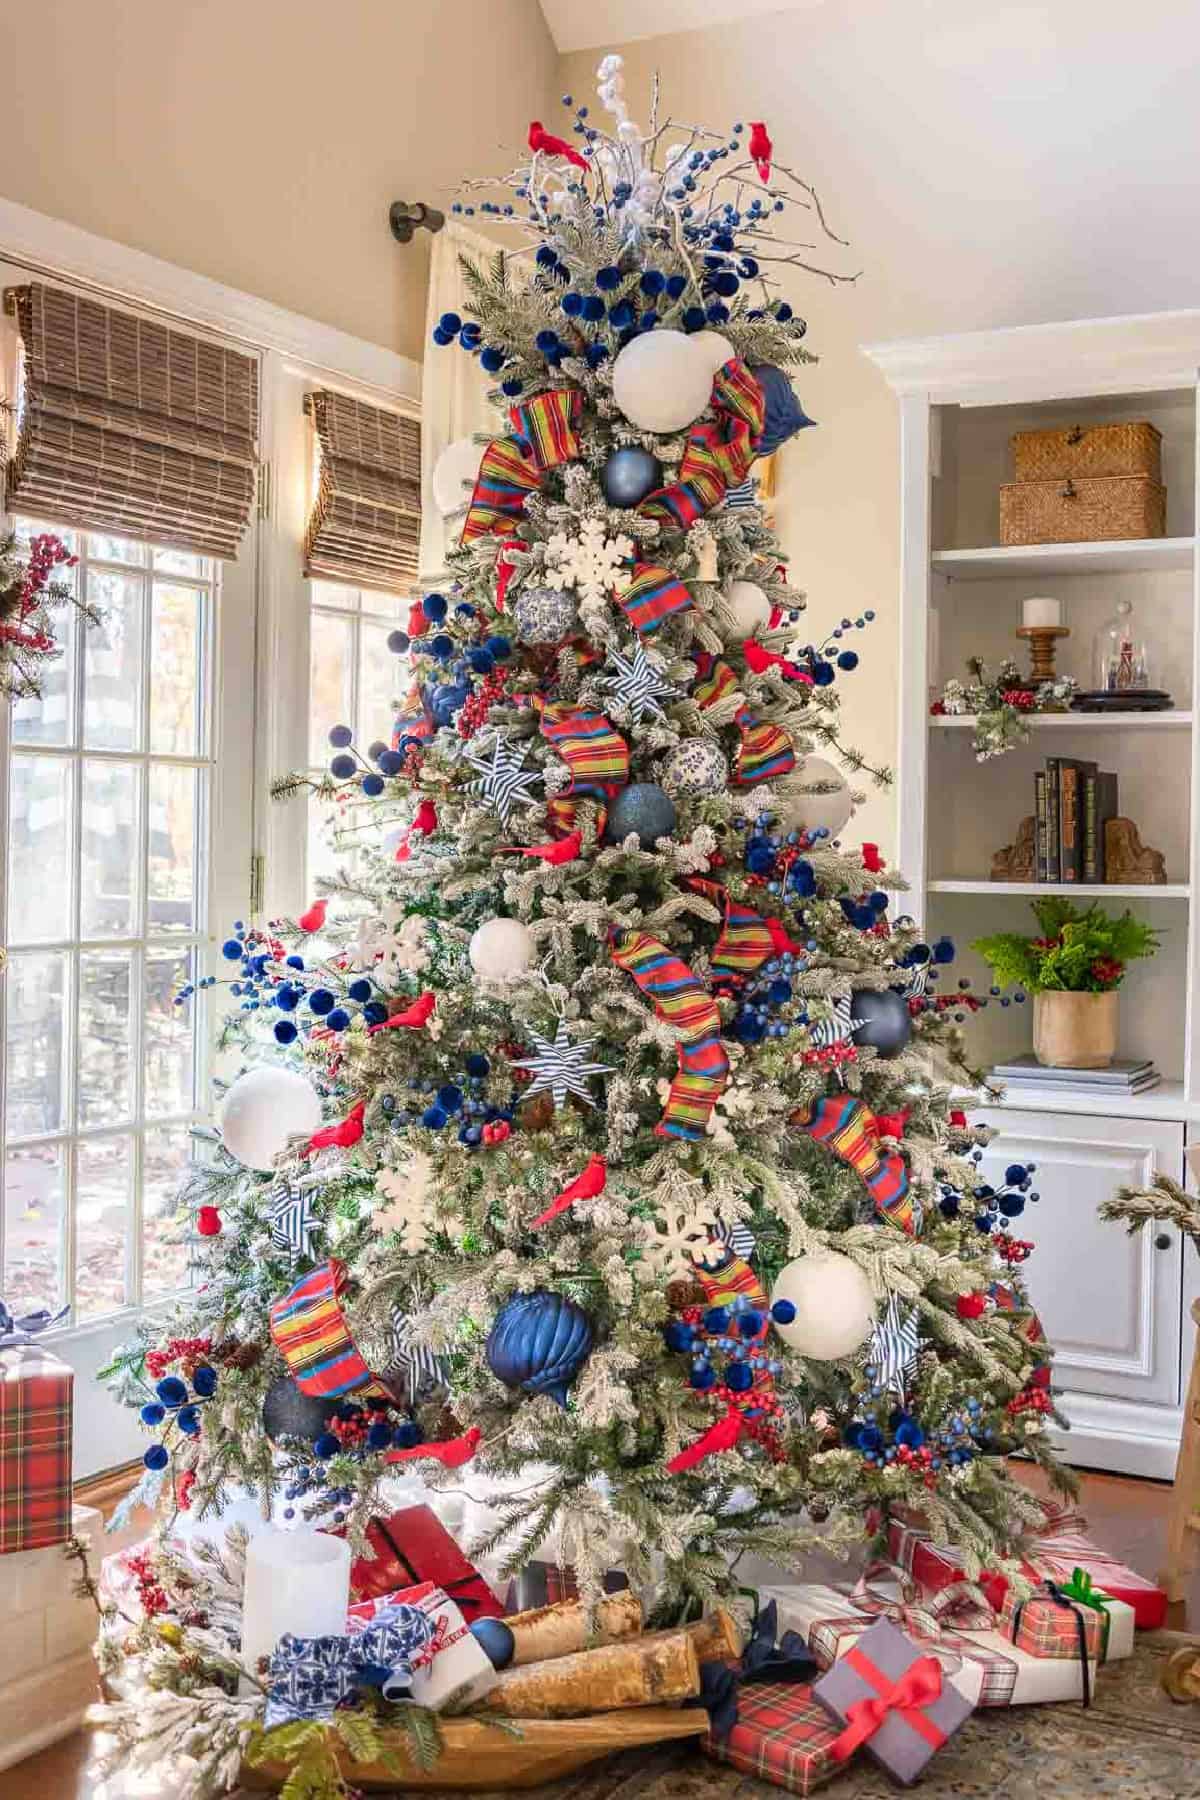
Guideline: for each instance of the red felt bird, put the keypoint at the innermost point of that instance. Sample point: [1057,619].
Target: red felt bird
[759,659]
[452,1453]
[584,1187]
[564,850]
[721,1436]
[416,620]
[426,819]
[314,918]
[413,1017]
[872,861]
[891,1124]
[781,943]
[340,1136]
[761,148]
[553,146]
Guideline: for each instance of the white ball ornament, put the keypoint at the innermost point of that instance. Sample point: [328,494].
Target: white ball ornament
[747,606]
[262,1110]
[812,812]
[832,1306]
[662,381]
[458,463]
[501,949]
[717,349]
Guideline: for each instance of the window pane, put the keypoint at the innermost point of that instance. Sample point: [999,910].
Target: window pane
[39,867]
[169,1033]
[101,548]
[103,1177]
[47,718]
[175,694]
[111,850]
[172,848]
[33,1222]
[36,1058]
[331,693]
[105,1083]
[180,562]
[112,663]
[166,1221]
[390,609]
[328,593]
[378,684]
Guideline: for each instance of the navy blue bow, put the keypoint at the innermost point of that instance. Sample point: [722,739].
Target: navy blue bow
[762,1660]
[26,1328]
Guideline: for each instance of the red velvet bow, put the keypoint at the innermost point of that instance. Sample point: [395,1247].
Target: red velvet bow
[919,1687]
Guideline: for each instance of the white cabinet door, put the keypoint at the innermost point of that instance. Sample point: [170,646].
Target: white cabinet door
[1110,1303]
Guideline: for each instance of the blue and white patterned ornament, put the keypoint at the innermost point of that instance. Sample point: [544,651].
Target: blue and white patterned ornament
[504,777]
[538,1343]
[544,615]
[561,1067]
[696,768]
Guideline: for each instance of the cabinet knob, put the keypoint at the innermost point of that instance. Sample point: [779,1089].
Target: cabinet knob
[1163,1241]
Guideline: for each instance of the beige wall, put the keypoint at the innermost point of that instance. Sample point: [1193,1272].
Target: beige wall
[261,142]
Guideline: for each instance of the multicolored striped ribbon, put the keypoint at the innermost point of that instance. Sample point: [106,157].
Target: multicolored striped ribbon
[596,754]
[766,751]
[719,452]
[744,942]
[310,1331]
[544,434]
[652,596]
[563,816]
[850,1129]
[679,1000]
[716,679]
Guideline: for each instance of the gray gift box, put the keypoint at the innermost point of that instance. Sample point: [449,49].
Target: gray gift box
[900,1744]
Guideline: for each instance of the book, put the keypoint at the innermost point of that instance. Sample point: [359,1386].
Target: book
[1124,1075]
[1052,858]
[1039,825]
[1099,806]
[1071,776]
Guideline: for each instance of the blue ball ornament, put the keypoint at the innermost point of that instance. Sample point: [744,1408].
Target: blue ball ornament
[326,1445]
[495,1640]
[784,414]
[885,1023]
[204,1381]
[538,1343]
[644,809]
[677,1335]
[153,1413]
[342,767]
[405,1436]
[629,475]
[340,736]
[171,1391]
[156,1457]
[739,1376]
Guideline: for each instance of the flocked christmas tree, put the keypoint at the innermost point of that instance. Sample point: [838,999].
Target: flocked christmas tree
[598,1128]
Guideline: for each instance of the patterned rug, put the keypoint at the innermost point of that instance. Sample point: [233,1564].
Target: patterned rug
[1133,1742]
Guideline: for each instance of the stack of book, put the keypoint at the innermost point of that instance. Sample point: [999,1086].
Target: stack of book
[1125,1075]
[1072,803]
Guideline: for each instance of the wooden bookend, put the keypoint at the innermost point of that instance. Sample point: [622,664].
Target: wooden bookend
[1127,859]
[1017,862]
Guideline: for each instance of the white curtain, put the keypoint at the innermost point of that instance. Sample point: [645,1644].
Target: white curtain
[453,388]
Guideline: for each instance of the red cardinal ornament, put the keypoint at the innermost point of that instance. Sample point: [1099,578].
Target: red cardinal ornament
[721,1436]
[761,149]
[413,1017]
[416,620]
[758,660]
[340,1136]
[314,918]
[208,1222]
[540,139]
[452,1454]
[781,943]
[971,1306]
[584,1187]
[564,851]
[872,861]
[426,820]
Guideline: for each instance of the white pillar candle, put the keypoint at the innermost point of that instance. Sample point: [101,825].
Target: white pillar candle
[297,1581]
[1041,611]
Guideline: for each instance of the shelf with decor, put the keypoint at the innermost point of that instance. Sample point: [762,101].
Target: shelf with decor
[967,787]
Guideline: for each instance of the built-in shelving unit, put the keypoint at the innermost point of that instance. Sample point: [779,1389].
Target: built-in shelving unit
[1116,1308]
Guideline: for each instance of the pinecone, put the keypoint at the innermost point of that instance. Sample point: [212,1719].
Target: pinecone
[236,1355]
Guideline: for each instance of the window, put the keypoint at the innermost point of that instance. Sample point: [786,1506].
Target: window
[110,806]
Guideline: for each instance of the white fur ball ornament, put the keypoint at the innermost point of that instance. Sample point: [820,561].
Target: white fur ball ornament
[662,381]
[747,606]
[262,1110]
[501,949]
[829,810]
[457,464]
[716,348]
[822,1306]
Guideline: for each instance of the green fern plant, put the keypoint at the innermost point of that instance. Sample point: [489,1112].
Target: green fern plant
[1076,952]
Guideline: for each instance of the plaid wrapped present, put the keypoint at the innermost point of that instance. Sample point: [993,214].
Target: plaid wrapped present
[35,1437]
[1051,1622]
[782,1735]
[892,1699]
[1062,1547]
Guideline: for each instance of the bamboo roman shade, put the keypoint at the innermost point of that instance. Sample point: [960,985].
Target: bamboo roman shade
[366,521]
[131,426]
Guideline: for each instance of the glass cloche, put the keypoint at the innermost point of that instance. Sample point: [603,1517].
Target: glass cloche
[1121,659]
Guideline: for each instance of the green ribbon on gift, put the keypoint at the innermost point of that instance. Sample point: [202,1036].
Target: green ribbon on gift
[1084,1592]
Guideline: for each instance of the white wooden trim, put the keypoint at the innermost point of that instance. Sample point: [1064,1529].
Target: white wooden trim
[55,247]
[913,750]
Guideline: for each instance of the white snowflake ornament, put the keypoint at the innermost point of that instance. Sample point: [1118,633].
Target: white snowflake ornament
[672,1243]
[407,1207]
[592,563]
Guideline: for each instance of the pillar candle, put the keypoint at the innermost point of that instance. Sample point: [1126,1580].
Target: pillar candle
[1041,611]
[297,1581]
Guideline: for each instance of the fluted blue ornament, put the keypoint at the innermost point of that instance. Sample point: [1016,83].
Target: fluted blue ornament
[784,414]
[538,1343]
[629,475]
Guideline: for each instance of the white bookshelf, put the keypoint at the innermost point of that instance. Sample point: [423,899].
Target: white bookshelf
[960,401]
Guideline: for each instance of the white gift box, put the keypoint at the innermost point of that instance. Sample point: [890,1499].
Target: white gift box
[459,1671]
[47,1673]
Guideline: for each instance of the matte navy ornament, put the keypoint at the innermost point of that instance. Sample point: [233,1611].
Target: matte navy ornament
[643,808]
[495,1640]
[629,475]
[286,1412]
[884,1024]
[538,1343]
[784,414]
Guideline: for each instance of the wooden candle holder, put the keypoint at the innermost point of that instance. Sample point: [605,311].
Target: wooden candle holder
[1041,648]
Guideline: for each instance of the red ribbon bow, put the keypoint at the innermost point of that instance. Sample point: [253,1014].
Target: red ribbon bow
[918,1687]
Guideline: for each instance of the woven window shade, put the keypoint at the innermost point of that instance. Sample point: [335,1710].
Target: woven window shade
[131,426]
[366,521]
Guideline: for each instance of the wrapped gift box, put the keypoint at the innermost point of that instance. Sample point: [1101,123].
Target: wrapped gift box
[412,1547]
[458,1672]
[35,1443]
[889,1690]
[1045,1625]
[782,1735]
[831,1623]
[47,1671]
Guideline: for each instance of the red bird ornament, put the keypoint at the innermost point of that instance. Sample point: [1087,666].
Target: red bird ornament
[584,1187]
[564,850]
[314,918]
[452,1453]
[761,149]
[413,1017]
[341,1136]
[540,139]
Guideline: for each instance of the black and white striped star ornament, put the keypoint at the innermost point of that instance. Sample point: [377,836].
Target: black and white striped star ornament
[504,779]
[637,683]
[561,1067]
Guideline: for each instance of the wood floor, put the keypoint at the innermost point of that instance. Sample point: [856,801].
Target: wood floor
[1126,1516]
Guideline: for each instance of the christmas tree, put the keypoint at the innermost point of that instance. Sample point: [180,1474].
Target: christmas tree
[596,1129]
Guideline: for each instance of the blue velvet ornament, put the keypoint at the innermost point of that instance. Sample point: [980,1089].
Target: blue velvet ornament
[643,808]
[538,1343]
[477,1064]
[285,1032]
[445,701]
[188,1420]
[326,1445]
[405,1435]
[629,475]
[340,736]
[204,1381]
[342,767]
[784,414]
[495,1640]
[156,1457]
[338,1019]
[171,1391]
[739,1376]
[153,1413]
[885,1025]
[321,1001]
[677,1336]
[593,308]
[398,642]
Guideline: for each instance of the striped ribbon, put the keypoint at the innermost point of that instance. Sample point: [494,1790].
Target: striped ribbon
[652,596]
[681,1002]
[718,454]
[850,1129]
[716,680]
[596,754]
[311,1333]
[744,942]
[544,434]
[766,751]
